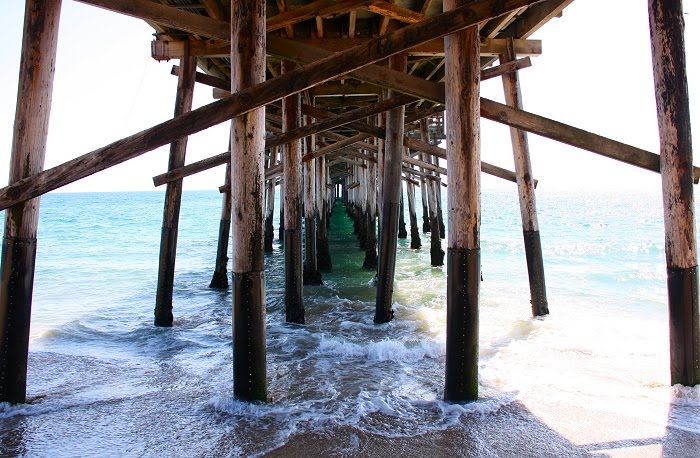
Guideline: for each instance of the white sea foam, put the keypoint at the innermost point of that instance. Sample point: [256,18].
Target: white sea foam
[384,350]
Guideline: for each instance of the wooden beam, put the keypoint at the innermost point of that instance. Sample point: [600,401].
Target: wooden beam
[393,11]
[573,136]
[534,18]
[320,8]
[246,99]
[281,139]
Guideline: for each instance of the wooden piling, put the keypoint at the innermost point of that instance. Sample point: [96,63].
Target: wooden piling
[292,177]
[323,254]
[391,195]
[220,278]
[247,193]
[402,219]
[163,313]
[437,254]
[424,203]
[36,72]
[413,220]
[311,274]
[464,213]
[370,261]
[526,192]
[670,80]
[270,204]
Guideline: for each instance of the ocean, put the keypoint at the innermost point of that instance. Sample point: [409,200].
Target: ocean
[592,378]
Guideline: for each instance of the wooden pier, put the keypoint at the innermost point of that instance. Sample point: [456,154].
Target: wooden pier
[344,99]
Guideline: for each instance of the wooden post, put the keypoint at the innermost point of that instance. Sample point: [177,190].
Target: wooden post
[464,213]
[322,250]
[247,193]
[361,214]
[402,221]
[670,80]
[220,277]
[424,202]
[391,195]
[280,230]
[163,313]
[37,64]
[370,261]
[415,234]
[311,274]
[270,205]
[526,192]
[437,254]
[438,199]
[292,177]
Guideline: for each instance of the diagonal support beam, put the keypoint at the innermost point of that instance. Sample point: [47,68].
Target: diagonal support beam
[247,99]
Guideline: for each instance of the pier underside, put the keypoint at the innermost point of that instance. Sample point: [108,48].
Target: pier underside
[364,102]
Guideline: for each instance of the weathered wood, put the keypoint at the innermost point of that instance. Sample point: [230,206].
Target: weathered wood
[370,261]
[323,254]
[391,195]
[163,312]
[573,136]
[397,12]
[437,254]
[292,179]
[246,99]
[489,47]
[36,74]
[412,143]
[464,213]
[526,194]
[311,274]
[165,49]
[411,197]
[247,193]
[291,135]
[670,80]
[318,8]
[270,203]
[219,279]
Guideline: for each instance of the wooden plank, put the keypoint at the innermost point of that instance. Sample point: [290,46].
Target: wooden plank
[393,11]
[246,99]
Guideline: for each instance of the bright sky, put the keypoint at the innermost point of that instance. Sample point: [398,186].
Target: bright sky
[595,73]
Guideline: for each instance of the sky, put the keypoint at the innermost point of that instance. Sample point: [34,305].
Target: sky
[595,73]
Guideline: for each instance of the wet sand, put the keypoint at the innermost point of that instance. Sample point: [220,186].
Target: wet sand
[512,431]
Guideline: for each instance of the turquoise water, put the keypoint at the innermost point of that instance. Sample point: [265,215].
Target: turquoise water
[104,381]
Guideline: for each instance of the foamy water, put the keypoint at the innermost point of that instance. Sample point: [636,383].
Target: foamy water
[103,381]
